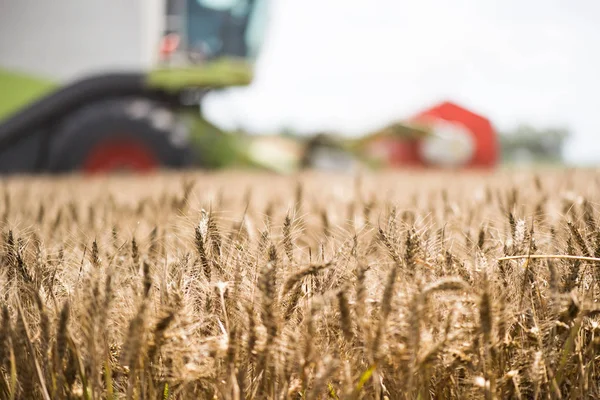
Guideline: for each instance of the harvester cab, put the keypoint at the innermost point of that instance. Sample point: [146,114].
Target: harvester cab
[105,119]
[206,30]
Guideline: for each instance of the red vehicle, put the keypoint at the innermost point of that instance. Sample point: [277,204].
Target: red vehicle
[445,135]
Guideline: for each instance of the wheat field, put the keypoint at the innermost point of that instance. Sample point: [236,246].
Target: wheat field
[244,285]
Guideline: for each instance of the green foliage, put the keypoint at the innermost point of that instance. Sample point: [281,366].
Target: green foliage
[537,145]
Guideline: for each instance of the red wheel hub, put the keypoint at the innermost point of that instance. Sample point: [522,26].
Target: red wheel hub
[116,154]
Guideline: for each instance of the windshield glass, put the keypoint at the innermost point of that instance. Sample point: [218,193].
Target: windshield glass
[257,28]
[220,4]
[226,27]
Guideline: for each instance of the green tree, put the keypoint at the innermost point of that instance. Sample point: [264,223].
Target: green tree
[528,143]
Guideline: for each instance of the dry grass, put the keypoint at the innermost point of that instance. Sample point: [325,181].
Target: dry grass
[238,286]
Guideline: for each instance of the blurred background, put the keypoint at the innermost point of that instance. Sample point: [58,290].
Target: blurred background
[427,83]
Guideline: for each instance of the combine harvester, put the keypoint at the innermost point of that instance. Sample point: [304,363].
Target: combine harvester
[445,136]
[108,85]
[117,104]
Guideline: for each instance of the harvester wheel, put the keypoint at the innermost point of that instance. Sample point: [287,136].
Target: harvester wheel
[130,134]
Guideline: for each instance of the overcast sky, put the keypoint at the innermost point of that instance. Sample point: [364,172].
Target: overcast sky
[353,65]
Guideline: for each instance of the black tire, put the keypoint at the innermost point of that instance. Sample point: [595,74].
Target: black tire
[144,121]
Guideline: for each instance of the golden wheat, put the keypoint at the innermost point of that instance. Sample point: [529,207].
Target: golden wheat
[239,285]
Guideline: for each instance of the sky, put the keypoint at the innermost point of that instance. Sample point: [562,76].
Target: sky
[353,66]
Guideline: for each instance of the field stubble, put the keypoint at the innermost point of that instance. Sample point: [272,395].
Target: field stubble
[242,285]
